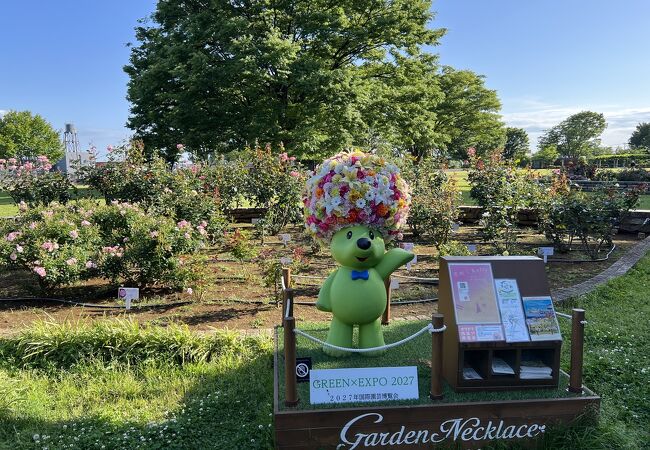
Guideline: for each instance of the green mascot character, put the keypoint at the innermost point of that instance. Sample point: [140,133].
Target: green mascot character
[357,202]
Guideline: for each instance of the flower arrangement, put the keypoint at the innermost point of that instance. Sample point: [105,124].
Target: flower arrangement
[356,189]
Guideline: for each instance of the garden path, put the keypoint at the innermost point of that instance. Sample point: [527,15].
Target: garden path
[617,269]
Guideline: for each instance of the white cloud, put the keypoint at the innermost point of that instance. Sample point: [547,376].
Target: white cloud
[535,117]
[3,112]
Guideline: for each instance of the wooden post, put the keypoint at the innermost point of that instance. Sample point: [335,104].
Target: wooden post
[577,344]
[438,320]
[286,276]
[287,303]
[385,318]
[290,384]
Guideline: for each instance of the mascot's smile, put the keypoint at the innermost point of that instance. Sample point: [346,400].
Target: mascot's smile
[362,259]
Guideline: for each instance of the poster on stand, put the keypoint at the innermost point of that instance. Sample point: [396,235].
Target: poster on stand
[541,319]
[472,288]
[512,312]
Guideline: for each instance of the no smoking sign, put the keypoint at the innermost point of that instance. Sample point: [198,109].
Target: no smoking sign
[303,367]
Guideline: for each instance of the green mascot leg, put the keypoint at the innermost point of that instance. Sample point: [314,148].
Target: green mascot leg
[340,334]
[370,335]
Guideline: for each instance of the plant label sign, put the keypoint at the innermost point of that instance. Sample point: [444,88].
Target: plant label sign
[128,294]
[285,237]
[545,252]
[373,384]
[471,248]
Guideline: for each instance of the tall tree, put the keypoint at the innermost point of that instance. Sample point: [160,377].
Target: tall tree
[577,135]
[640,138]
[517,144]
[468,114]
[24,135]
[215,75]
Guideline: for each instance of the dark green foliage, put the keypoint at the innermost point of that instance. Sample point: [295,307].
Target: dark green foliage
[516,146]
[640,138]
[569,214]
[220,75]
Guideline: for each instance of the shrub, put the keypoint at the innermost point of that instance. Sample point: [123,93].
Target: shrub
[570,214]
[501,191]
[66,243]
[180,195]
[274,182]
[56,243]
[33,183]
[435,201]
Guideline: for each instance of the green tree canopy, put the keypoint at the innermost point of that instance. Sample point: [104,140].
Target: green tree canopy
[217,75]
[23,135]
[317,76]
[576,135]
[517,144]
[468,115]
[641,136]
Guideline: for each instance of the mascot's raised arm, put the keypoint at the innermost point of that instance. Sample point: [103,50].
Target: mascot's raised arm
[357,202]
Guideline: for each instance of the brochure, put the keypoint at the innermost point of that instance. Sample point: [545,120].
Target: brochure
[534,369]
[541,319]
[500,367]
[470,374]
[472,287]
[512,313]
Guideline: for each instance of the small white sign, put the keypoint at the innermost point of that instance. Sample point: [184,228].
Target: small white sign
[411,262]
[373,384]
[128,294]
[545,252]
[255,220]
[394,284]
[455,227]
[408,246]
[471,248]
[285,261]
[284,237]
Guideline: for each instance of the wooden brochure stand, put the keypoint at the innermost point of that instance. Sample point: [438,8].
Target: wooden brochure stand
[529,272]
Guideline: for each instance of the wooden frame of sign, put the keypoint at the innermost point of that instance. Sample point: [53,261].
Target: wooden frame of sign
[531,279]
[465,425]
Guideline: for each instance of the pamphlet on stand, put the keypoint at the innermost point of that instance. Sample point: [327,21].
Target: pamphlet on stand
[534,369]
[475,303]
[500,367]
[512,313]
[541,319]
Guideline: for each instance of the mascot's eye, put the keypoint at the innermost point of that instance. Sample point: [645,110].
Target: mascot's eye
[371,234]
[349,234]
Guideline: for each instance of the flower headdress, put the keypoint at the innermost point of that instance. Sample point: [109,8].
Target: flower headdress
[356,189]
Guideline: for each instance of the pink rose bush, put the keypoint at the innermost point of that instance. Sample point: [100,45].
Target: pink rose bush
[33,183]
[356,189]
[64,244]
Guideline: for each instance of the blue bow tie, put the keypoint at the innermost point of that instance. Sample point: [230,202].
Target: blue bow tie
[356,275]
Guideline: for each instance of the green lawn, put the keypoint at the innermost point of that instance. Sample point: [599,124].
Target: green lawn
[116,385]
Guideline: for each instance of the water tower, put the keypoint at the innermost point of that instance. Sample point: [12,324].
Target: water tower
[70,139]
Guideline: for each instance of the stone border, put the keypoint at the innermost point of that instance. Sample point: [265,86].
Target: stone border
[617,269]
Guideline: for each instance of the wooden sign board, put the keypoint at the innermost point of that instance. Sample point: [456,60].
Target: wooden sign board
[465,425]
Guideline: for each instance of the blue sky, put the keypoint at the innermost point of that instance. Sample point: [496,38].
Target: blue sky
[547,59]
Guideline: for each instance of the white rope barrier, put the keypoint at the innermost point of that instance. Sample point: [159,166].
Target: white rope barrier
[428,328]
[568,316]
[311,277]
[406,277]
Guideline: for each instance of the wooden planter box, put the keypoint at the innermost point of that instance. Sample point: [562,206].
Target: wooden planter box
[467,424]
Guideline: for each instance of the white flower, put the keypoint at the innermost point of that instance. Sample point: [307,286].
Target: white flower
[361,203]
